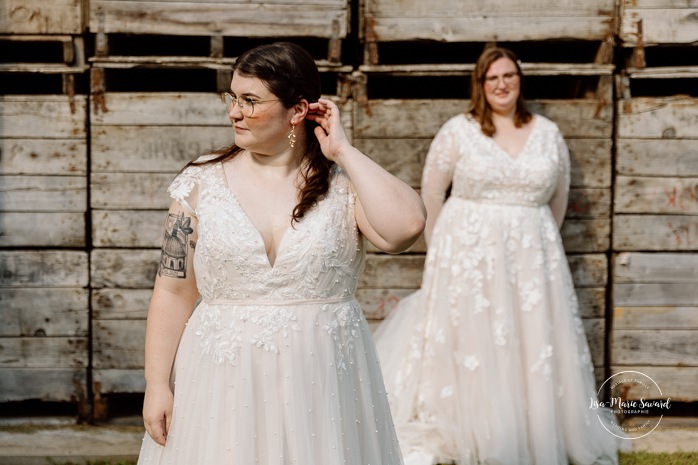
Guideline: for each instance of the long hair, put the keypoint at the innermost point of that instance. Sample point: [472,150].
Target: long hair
[290,73]
[479,107]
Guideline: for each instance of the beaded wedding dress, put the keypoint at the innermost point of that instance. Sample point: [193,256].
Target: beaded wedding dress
[488,362]
[276,365]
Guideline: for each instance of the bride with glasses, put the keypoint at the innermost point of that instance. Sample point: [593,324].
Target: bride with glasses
[488,362]
[276,364]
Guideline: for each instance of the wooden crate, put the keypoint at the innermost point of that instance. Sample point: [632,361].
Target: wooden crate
[328,20]
[42,17]
[657,22]
[445,22]
[397,133]
[656,321]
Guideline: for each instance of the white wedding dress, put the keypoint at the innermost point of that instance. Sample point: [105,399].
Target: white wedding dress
[276,365]
[488,362]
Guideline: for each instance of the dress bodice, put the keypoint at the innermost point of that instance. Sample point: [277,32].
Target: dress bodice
[482,171]
[320,257]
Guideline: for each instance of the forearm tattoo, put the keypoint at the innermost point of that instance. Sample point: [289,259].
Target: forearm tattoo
[174,253]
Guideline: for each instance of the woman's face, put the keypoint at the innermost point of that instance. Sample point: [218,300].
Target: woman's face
[266,130]
[502,86]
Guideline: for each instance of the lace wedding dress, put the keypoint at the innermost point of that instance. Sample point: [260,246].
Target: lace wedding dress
[488,362]
[276,365]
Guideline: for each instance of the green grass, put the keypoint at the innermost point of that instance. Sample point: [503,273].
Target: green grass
[658,458]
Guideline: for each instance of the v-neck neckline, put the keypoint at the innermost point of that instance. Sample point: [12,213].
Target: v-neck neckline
[248,218]
[518,156]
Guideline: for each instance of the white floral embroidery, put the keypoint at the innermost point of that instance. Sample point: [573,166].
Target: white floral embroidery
[471,362]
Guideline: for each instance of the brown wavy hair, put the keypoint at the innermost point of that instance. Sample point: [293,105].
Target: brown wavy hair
[290,73]
[479,107]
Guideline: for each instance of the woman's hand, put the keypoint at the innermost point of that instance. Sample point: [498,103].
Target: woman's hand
[330,132]
[157,412]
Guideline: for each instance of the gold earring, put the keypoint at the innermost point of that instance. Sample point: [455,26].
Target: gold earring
[292,136]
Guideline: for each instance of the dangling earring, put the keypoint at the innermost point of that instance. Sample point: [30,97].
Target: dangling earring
[292,136]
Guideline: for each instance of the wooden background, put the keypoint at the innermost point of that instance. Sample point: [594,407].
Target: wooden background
[84,168]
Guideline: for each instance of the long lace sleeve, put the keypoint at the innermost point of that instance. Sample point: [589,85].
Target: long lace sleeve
[438,173]
[558,201]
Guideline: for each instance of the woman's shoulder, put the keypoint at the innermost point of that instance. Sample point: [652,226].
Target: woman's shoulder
[545,123]
[191,174]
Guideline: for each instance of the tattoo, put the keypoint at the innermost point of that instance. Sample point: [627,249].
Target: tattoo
[173,257]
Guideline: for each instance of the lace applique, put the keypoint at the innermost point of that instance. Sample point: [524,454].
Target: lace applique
[542,365]
[222,343]
[343,329]
[271,321]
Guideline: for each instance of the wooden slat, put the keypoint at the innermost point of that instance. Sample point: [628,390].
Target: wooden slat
[586,236]
[153,148]
[44,312]
[42,229]
[655,232]
[592,301]
[132,229]
[43,352]
[43,268]
[119,381]
[422,118]
[589,270]
[677,383]
[656,268]
[392,271]
[450,9]
[503,27]
[120,304]
[655,318]
[249,19]
[659,25]
[588,203]
[43,156]
[378,303]
[654,294]
[41,17]
[42,117]
[142,191]
[49,384]
[118,344]
[641,157]
[656,195]
[658,118]
[122,268]
[43,193]
[595,329]
[654,347]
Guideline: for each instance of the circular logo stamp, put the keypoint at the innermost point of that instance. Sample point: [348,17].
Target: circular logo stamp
[636,401]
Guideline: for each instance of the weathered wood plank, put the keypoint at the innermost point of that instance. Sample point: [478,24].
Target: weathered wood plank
[153,148]
[505,27]
[125,269]
[404,158]
[655,318]
[654,294]
[422,118]
[589,270]
[41,17]
[592,301]
[43,352]
[656,195]
[595,329]
[120,304]
[586,236]
[50,384]
[451,9]
[659,25]
[677,383]
[119,381]
[43,156]
[654,347]
[132,229]
[118,344]
[392,271]
[586,203]
[42,116]
[43,193]
[229,19]
[378,303]
[656,268]
[640,157]
[42,229]
[120,191]
[658,118]
[44,312]
[43,268]
[655,232]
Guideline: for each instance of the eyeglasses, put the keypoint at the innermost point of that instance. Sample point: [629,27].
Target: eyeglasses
[506,78]
[246,104]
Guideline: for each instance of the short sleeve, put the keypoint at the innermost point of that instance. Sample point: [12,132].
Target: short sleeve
[184,189]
